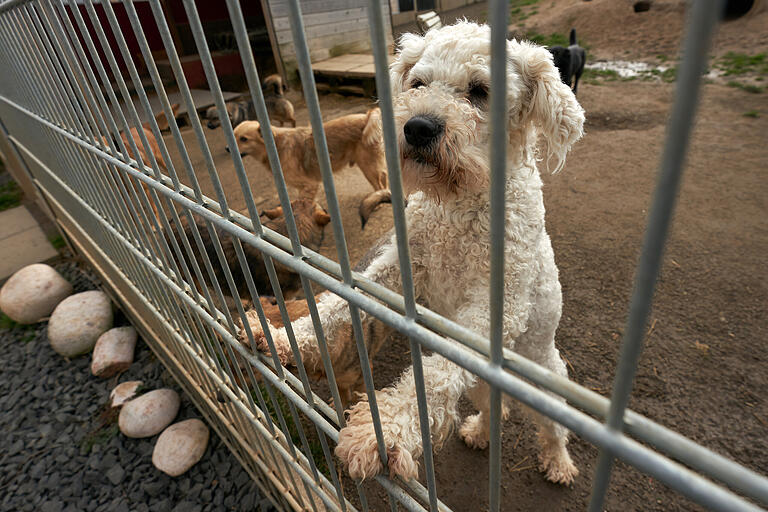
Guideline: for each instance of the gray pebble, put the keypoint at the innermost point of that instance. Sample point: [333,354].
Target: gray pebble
[152,488]
[52,506]
[115,474]
[37,469]
[161,506]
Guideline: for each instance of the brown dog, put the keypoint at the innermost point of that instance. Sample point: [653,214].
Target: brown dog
[344,358]
[310,221]
[278,106]
[352,139]
[343,353]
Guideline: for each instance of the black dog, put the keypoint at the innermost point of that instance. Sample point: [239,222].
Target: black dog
[570,61]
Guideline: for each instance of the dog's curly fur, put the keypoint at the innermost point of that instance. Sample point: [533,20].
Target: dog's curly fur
[445,75]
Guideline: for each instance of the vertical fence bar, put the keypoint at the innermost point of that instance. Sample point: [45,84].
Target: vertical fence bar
[498,158]
[384,92]
[701,24]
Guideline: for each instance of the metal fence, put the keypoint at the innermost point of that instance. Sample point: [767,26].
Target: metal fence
[61,120]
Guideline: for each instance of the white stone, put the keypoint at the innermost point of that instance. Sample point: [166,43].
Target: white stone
[149,414]
[123,392]
[180,447]
[113,352]
[78,321]
[32,293]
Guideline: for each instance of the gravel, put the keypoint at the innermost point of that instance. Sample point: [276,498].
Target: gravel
[48,407]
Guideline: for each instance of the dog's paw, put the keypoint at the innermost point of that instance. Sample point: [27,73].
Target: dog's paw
[279,340]
[473,433]
[358,450]
[558,467]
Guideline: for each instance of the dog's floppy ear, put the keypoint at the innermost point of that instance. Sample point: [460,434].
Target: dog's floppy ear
[273,213]
[551,107]
[321,217]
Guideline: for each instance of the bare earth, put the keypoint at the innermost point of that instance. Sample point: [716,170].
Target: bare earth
[703,371]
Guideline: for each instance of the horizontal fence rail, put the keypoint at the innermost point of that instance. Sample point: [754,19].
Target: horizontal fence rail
[143,219]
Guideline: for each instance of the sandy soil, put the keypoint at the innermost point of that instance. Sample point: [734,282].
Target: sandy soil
[703,371]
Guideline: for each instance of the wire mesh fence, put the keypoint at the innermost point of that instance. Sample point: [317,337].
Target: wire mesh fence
[74,106]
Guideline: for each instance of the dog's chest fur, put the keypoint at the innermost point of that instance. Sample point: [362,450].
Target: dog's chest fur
[450,242]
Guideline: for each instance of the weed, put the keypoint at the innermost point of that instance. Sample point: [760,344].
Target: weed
[10,195]
[755,89]
[106,428]
[752,113]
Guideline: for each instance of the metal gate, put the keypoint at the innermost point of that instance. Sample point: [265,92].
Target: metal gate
[61,121]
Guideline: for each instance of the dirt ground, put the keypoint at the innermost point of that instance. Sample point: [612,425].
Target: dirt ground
[703,372]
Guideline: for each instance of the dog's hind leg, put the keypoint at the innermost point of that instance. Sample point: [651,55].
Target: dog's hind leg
[475,431]
[576,81]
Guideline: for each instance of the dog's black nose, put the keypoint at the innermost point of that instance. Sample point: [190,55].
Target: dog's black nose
[227,148]
[420,131]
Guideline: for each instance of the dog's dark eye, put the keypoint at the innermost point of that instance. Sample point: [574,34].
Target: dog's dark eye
[417,83]
[243,139]
[478,94]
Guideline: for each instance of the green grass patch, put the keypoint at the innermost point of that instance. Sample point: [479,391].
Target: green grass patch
[733,63]
[10,195]
[752,113]
[8,323]
[316,449]
[754,89]
[669,75]
[521,10]
[57,242]
[553,39]
[607,75]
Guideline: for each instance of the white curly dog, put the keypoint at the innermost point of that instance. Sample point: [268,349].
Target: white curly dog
[440,86]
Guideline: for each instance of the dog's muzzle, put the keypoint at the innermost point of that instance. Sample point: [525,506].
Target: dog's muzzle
[421,131]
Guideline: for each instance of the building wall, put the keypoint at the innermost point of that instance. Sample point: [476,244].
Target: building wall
[332,28]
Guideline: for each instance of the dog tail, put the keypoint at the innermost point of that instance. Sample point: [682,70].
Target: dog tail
[371,202]
[372,134]
[572,37]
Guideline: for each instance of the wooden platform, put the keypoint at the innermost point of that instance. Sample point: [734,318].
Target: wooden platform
[352,72]
[352,65]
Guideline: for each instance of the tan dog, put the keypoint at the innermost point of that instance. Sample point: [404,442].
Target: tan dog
[154,148]
[352,139]
[278,106]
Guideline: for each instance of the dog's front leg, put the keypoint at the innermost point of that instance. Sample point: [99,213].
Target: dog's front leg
[333,312]
[398,410]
